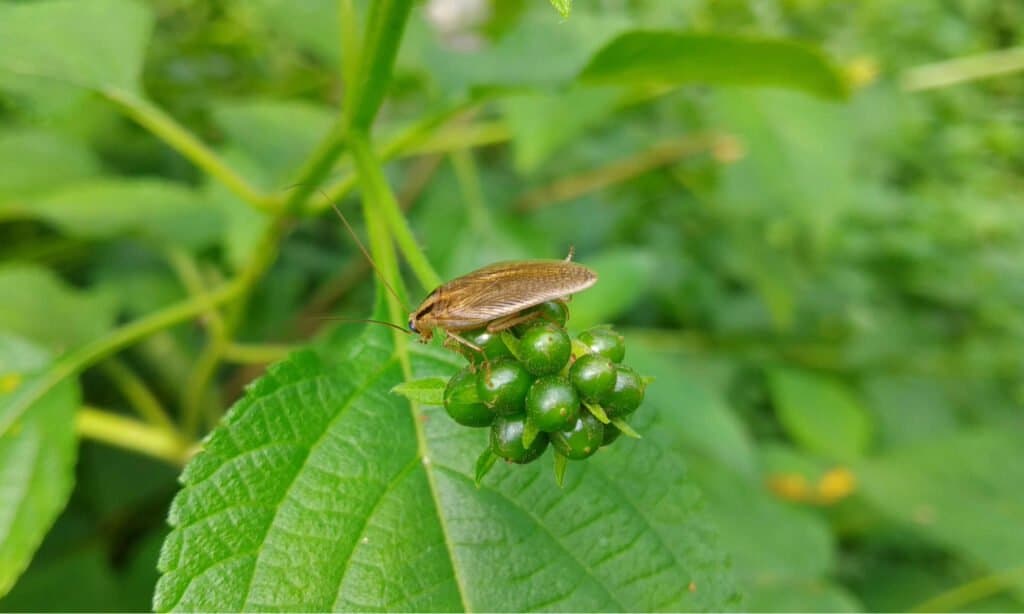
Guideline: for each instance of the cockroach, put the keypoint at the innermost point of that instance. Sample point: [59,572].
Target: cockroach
[495,296]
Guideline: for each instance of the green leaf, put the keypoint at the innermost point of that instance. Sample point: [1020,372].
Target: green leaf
[665,58]
[542,123]
[795,148]
[323,491]
[709,426]
[37,457]
[597,411]
[484,464]
[539,52]
[35,161]
[94,44]
[627,430]
[964,492]
[820,414]
[155,209]
[772,542]
[561,464]
[563,7]
[276,136]
[37,305]
[624,274]
[311,24]
[426,390]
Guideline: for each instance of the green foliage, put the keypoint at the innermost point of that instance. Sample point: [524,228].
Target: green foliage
[674,58]
[397,523]
[807,222]
[37,456]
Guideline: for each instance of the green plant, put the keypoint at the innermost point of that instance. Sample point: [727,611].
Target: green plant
[825,286]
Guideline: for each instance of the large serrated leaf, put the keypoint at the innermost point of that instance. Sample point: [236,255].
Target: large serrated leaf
[37,457]
[675,58]
[324,491]
[94,44]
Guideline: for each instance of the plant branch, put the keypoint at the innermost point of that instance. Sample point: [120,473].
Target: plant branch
[371,176]
[75,361]
[136,392]
[256,353]
[130,434]
[164,126]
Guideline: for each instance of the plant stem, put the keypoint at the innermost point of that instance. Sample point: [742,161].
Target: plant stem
[255,353]
[383,35]
[960,597]
[371,176]
[965,69]
[197,387]
[131,434]
[420,137]
[187,270]
[472,191]
[138,394]
[75,361]
[350,40]
[184,142]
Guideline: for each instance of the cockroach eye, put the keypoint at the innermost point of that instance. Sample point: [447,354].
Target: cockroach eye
[412,326]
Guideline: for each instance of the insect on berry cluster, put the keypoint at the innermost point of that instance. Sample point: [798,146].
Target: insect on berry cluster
[535,387]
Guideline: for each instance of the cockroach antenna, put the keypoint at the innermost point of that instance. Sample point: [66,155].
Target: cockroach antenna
[366,253]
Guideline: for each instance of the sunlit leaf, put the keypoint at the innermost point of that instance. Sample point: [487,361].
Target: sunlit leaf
[37,457]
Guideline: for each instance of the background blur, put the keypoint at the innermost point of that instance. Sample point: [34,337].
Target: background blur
[831,291]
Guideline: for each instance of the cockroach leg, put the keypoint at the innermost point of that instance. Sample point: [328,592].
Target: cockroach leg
[466,342]
[507,322]
[572,252]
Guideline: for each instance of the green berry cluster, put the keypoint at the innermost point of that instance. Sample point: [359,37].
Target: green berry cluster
[533,386]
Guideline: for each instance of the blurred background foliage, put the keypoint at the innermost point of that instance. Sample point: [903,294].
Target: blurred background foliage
[830,291]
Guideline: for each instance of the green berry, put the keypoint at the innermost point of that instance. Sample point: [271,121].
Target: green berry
[491,344]
[502,385]
[462,402]
[582,440]
[507,440]
[552,403]
[606,342]
[626,395]
[554,312]
[544,349]
[593,375]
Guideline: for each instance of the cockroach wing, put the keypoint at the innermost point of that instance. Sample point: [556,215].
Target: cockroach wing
[505,288]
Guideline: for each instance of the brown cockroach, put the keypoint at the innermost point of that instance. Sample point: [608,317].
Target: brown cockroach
[494,296]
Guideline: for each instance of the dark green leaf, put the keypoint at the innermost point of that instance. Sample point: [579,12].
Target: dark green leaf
[821,414]
[675,58]
[426,390]
[37,457]
[484,464]
[323,491]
